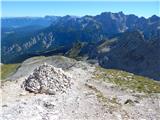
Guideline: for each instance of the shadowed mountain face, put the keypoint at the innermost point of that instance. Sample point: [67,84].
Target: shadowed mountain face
[133,53]
[114,40]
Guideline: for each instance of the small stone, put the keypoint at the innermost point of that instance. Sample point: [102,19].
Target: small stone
[128,101]
[48,105]
[4,105]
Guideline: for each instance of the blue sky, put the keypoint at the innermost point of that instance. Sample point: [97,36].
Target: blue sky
[41,8]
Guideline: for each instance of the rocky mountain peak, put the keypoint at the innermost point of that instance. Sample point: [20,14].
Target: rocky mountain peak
[154,18]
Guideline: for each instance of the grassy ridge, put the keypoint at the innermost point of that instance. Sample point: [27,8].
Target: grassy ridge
[8,69]
[128,80]
[74,52]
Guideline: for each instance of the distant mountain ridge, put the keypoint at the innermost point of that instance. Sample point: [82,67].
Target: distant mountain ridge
[16,22]
[115,40]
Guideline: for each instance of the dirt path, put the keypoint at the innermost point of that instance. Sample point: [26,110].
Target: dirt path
[87,99]
[79,102]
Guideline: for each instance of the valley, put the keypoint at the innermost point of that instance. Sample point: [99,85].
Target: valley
[112,40]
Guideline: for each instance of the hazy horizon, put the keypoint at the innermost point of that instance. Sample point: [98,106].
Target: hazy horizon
[73,15]
[69,15]
[79,9]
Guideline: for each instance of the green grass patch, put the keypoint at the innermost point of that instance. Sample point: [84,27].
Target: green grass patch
[75,50]
[106,43]
[8,69]
[128,80]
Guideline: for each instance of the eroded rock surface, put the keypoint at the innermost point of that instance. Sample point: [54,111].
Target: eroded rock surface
[87,99]
[47,79]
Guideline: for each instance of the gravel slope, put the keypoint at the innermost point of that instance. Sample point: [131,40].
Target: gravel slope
[88,99]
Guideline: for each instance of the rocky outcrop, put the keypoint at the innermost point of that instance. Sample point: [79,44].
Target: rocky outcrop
[47,79]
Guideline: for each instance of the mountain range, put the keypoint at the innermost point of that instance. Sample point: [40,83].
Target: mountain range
[112,40]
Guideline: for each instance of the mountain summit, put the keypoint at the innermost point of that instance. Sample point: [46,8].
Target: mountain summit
[97,93]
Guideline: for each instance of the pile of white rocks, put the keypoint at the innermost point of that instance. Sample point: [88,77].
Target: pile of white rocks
[47,79]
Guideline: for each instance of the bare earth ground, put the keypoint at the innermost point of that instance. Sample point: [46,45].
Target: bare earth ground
[88,99]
